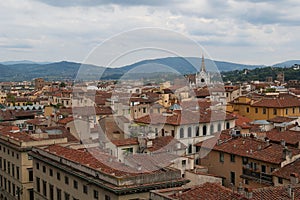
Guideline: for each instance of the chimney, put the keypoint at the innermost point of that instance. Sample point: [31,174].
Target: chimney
[248,193]
[282,142]
[240,189]
[290,191]
[294,178]
[286,153]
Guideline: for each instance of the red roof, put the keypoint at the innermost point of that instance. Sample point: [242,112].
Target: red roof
[207,191]
[282,101]
[253,148]
[185,117]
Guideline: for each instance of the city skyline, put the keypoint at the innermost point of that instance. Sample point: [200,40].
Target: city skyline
[248,32]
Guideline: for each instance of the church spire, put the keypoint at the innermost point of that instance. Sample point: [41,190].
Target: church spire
[203,64]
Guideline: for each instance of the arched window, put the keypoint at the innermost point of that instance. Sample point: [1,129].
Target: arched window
[227,125]
[189,132]
[219,127]
[181,133]
[204,131]
[211,129]
[197,130]
[190,150]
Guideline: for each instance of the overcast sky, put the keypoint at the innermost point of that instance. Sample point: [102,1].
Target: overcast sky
[244,31]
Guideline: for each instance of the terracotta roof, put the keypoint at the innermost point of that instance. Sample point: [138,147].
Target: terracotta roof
[241,121]
[207,191]
[66,120]
[276,193]
[286,171]
[253,148]
[285,101]
[94,158]
[185,117]
[125,142]
[64,133]
[290,137]
[280,119]
[165,143]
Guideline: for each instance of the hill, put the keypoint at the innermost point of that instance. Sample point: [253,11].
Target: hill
[70,70]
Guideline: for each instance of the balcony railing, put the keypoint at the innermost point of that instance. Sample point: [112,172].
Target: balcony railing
[258,176]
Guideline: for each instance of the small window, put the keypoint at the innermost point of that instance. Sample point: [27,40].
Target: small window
[274,111]
[85,189]
[96,194]
[280,181]
[221,157]
[107,197]
[181,133]
[263,169]
[264,111]
[189,132]
[248,109]
[50,172]
[256,110]
[232,158]
[66,180]
[37,165]
[58,176]
[75,184]
[44,169]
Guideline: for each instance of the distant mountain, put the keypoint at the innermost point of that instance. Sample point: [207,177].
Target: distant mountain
[287,63]
[22,62]
[70,70]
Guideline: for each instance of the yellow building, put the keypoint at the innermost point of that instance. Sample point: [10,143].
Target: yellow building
[16,177]
[246,161]
[266,107]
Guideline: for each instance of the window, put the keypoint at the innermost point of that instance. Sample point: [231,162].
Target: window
[280,181]
[58,194]
[293,110]
[197,130]
[190,149]
[30,174]
[227,125]
[45,188]
[264,111]
[219,126]
[189,132]
[248,109]
[96,194]
[51,192]
[181,133]
[212,129]
[37,166]
[263,168]
[274,111]
[18,172]
[13,170]
[58,176]
[245,160]
[232,178]
[221,157]
[50,172]
[38,184]
[107,197]
[85,189]
[204,130]
[256,110]
[232,158]
[66,180]
[286,111]
[75,184]
[67,196]
[183,163]
[44,169]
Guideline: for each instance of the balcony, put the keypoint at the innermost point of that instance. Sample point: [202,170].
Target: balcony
[257,176]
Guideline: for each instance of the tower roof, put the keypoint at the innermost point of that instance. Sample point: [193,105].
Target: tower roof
[203,69]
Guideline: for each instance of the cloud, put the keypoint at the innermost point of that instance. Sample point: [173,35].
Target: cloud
[57,30]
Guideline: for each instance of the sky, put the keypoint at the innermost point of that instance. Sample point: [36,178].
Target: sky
[242,31]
